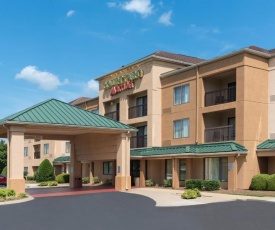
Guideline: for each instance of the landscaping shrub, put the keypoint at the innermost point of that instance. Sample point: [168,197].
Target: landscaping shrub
[45,171]
[85,180]
[30,178]
[149,183]
[22,195]
[4,193]
[190,194]
[63,178]
[271,183]
[259,182]
[194,183]
[45,183]
[211,185]
[197,191]
[4,171]
[167,183]
[52,183]
[96,180]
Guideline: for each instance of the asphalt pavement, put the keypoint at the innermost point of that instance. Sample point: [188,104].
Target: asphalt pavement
[117,210]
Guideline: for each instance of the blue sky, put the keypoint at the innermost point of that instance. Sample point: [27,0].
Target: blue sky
[55,48]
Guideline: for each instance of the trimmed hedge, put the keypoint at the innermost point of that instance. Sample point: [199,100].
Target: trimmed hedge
[194,183]
[167,183]
[271,183]
[191,194]
[30,177]
[259,182]
[211,185]
[45,171]
[63,178]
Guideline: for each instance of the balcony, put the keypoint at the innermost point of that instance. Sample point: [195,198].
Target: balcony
[138,142]
[36,155]
[220,96]
[219,134]
[138,111]
[113,115]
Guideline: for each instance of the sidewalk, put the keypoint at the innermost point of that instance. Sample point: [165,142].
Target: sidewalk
[172,198]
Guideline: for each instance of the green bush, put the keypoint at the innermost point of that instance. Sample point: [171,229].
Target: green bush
[194,183]
[4,193]
[259,182]
[45,183]
[25,173]
[167,183]
[85,180]
[45,171]
[271,183]
[96,180]
[149,183]
[197,191]
[190,194]
[4,171]
[63,178]
[52,183]
[211,185]
[22,195]
[30,178]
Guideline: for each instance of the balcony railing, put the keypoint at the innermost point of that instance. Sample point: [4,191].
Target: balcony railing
[218,134]
[138,141]
[113,115]
[220,96]
[36,155]
[138,111]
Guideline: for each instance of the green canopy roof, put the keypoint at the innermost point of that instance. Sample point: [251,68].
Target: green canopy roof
[268,144]
[62,159]
[213,148]
[55,112]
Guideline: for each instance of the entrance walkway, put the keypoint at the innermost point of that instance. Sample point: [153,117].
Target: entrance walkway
[67,191]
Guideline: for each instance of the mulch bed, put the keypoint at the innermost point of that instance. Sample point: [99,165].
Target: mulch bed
[247,192]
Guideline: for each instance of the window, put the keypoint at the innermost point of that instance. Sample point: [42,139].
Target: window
[36,151]
[181,94]
[216,169]
[67,147]
[181,128]
[46,148]
[26,150]
[95,111]
[26,169]
[108,168]
[182,169]
[168,169]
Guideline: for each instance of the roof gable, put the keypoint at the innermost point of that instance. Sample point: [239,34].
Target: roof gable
[268,144]
[55,112]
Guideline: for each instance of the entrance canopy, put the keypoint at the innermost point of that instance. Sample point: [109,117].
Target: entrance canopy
[266,148]
[90,135]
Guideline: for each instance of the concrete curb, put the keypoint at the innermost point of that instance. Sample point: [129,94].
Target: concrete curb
[17,201]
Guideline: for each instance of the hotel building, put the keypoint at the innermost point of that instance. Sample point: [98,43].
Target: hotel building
[196,119]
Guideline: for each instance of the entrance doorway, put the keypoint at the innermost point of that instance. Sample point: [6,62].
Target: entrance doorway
[134,172]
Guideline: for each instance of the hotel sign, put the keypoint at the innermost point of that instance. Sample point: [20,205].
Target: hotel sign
[123,82]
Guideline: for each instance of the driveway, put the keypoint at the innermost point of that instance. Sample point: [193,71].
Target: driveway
[117,210]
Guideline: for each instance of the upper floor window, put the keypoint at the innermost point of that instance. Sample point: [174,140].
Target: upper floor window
[181,128]
[95,111]
[67,147]
[181,94]
[26,151]
[46,148]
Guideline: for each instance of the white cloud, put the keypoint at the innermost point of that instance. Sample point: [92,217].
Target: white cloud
[143,7]
[70,13]
[112,4]
[166,18]
[93,86]
[45,80]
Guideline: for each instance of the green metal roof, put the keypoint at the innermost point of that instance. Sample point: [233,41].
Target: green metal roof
[213,148]
[268,144]
[57,112]
[62,159]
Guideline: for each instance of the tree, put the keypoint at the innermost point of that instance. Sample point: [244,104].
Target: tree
[45,171]
[3,155]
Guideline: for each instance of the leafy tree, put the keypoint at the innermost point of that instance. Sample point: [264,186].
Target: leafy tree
[3,155]
[45,172]
[4,171]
